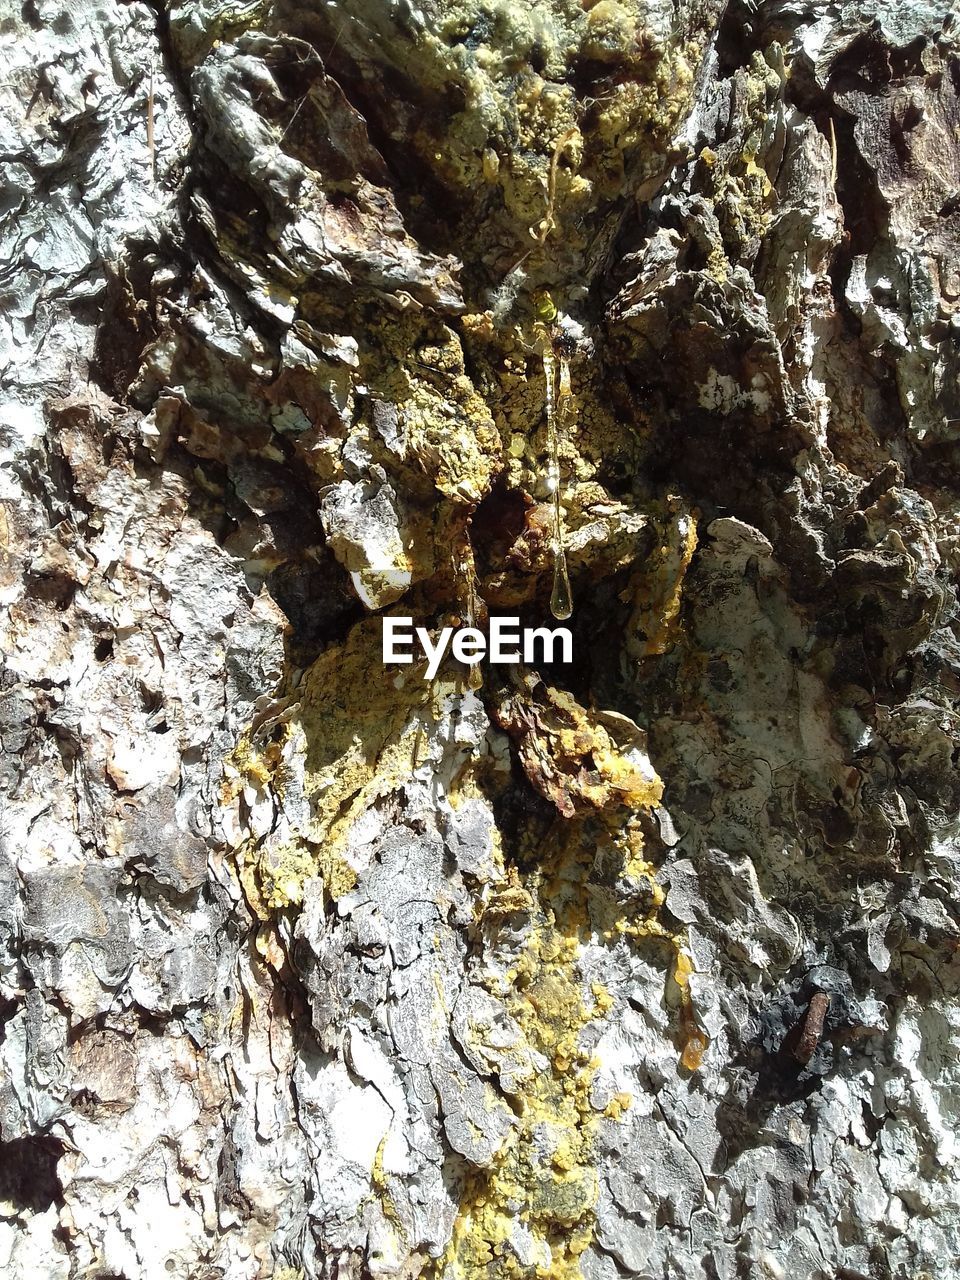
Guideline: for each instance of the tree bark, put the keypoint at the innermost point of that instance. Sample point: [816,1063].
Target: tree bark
[643,963]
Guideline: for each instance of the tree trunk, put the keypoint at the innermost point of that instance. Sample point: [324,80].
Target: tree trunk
[640,960]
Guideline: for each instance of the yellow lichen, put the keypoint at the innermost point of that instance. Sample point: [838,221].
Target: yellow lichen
[571,755]
[544,167]
[380,1180]
[356,727]
[628,838]
[618,1104]
[543,1183]
[450,437]
[499,86]
[738,187]
[656,588]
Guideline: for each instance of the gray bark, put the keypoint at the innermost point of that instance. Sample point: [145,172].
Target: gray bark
[641,965]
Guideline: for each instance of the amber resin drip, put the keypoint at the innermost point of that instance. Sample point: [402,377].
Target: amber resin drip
[474,675]
[559,403]
[465,570]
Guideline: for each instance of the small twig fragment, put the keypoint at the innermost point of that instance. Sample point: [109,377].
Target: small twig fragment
[151,140]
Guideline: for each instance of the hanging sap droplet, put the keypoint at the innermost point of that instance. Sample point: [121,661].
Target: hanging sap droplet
[465,573]
[561,601]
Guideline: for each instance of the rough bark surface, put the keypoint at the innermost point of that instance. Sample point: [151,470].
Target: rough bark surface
[646,964]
